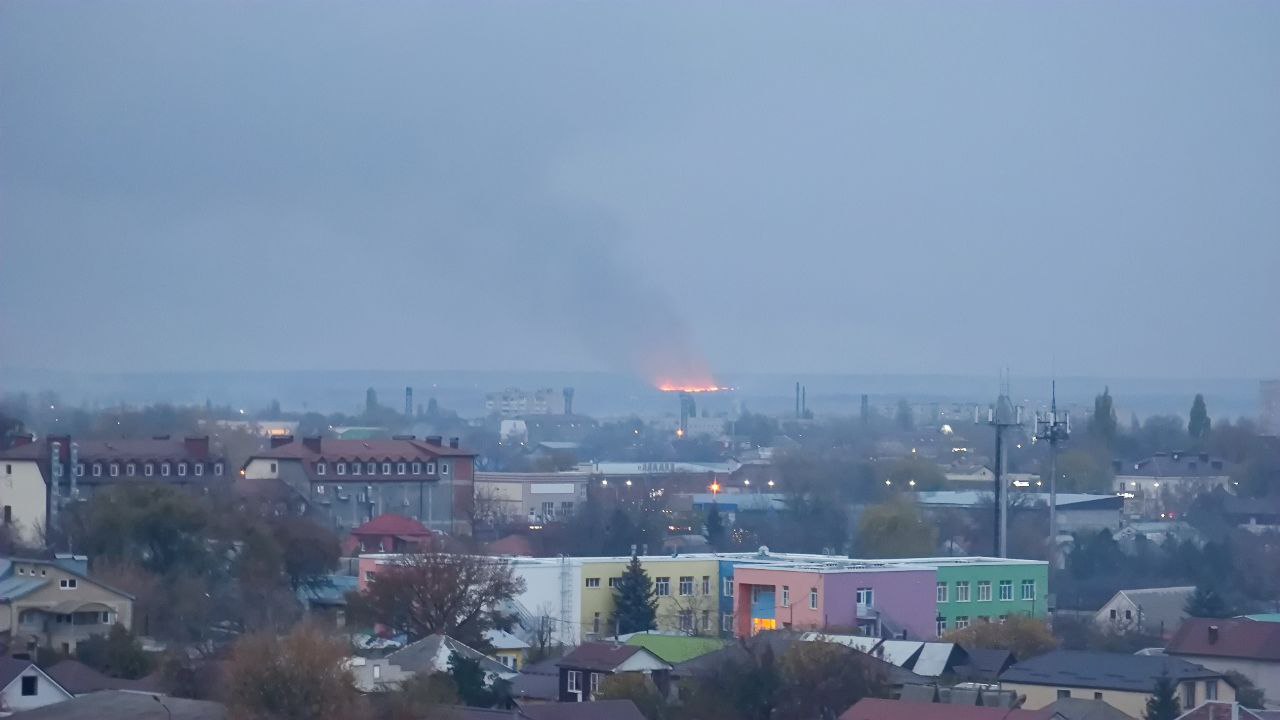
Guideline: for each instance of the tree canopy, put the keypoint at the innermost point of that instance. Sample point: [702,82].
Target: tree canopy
[895,529]
[635,601]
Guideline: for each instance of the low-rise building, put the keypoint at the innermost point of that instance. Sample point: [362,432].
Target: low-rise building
[55,604]
[530,497]
[1248,647]
[38,478]
[1151,485]
[1157,612]
[346,483]
[1122,681]
[387,533]
[584,669]
[24,686]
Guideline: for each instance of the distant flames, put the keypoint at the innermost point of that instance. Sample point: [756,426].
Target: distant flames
[670,387]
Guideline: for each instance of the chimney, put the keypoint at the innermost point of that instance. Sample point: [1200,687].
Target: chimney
[198,447]
[1213,634]
[453,443]
[278,440]
[434,440]
[312,444]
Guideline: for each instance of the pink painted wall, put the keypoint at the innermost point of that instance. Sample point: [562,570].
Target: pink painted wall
[908,597]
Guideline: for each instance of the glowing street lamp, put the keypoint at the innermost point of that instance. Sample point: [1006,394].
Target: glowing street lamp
[715,488]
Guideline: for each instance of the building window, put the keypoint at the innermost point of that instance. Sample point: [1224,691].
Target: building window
[79,469]
[115,470]
[355,468]
[431,468]
[67,583]
[377,672]
[1128,614]
[29,685]
[962,591]
[593,582]
[444,468]
[686,585]
[1210,689]
[97,469]
[865,597]
[727,587]
[942,592]
[962,622]
[786,596]
[1113,613]
[400,468]
[217,469]
[1189,694]
[386,468]
[984,619]
[566,508]
[164,469]
[726,622]
[371,468]
[686,620]
[1064,694]
[8,514]
[595,683]
[182,469]
[1097,695]
[130,469]
[417,468]
[613,581]
[663,586]
[147,469]
[341,468]
[984,590]
[1006,589]
[813,598]
[942,626]
[595,624]
[706,584]
[1028,589]
[320,468]
[57,470]
[197,468]
[574,681]
[319,489]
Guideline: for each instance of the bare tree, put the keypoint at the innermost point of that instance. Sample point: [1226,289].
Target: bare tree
[299,676]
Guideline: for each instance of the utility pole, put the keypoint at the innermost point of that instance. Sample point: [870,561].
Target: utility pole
[1054,427]
[1002,417]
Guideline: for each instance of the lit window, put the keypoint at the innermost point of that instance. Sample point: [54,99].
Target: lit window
[1028,589]
[341,468]
[1006,589]
[182,469]
[417,468]
[400,468]
[984,590]
[686,584]
[386,468]
[97,469]
[786,596]
[663,586]
[962,591]
[813,598]
[942,592]
[593,582]
[320,468]
[197,468]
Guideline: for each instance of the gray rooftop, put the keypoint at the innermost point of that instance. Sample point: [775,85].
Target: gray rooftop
[1103,671]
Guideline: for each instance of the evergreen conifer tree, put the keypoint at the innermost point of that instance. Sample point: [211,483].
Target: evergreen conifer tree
[1163,703]
[634,600]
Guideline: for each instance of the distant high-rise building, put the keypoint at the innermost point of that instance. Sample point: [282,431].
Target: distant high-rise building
[514,402]
[1270,417]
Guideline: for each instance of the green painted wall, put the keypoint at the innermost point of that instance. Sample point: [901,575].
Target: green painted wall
[974,574]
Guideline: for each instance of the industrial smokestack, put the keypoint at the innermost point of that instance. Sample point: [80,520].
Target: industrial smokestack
[804,401]
[865,409]
[408,402]
[797,399]
[568,401]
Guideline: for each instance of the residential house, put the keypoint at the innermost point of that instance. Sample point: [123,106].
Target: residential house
[1123,681]
[1245,646]
[1149,485]
[585,668]
[538,682]
[326,600]
[387,533]
[926,659]
[23,686]
[882,709]
[427,656]
[535,498]
[79,679]
[673,648]
[960,476]
[599,710]
[346,483]
[1256,514]
[1156,612]
[1212,710]
[1077,512]
[38,478]
[128,705]
[507,648]
[55,604]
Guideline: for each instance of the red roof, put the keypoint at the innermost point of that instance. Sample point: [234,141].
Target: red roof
[879,709]
[1234,638]
[391,524]
[375,450]
[118,450]
[518,545]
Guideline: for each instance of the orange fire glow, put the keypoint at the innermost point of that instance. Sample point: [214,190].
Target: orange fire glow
[671,387]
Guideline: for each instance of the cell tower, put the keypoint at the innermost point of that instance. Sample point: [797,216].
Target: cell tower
[1054,427]
[1002,417]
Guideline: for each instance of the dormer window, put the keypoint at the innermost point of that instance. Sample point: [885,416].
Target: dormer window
[386,468]
[146,470]
[130,469]
[356,467]
[431,468]
[115,470]
[80,470]
[320,469]
[417,468]
[182,469]
[400,468]
[341,468]
[164,469]
[372,468]
[217,468]
[97,469]
[197,468]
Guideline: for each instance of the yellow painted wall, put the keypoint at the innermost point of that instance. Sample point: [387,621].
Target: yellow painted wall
[23,489]
[600,599]
[1129,703]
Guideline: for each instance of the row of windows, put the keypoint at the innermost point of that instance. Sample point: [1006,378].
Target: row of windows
[164,469]
[574,681]
[813,597]
[371,468]
[662,585]
[961,594]
[962,622]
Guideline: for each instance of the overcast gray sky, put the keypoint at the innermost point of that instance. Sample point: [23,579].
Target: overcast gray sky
[660,188]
